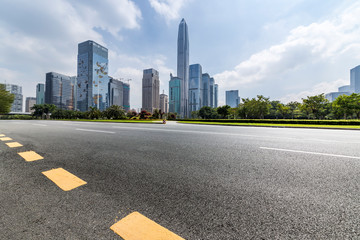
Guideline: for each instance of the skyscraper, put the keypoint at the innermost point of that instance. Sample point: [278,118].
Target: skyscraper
[164,103]
[183,66]
[92,76]
[126,96]
[174,94]
[60,90]
[40,93]
[212,92]
[205,89]
[17,105]
[29,102]
[355,79]
[232,98]
[116,92]
[195,85]
[150,90]
[216,90]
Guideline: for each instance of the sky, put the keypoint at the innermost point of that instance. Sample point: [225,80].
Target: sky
[285,50]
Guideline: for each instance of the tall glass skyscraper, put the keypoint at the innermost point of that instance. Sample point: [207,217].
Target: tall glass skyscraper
[126,96]
[195,82]
[183,66]
[232,98]
[212,92]
[205,90]
[150,90]
[216,90]
[174,94]
[92,79]
[40,93]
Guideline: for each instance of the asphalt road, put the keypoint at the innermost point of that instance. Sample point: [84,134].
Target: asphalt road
[200,182]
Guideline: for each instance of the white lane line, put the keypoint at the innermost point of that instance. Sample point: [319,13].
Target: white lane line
[314,153]
[92,130]
[38,124]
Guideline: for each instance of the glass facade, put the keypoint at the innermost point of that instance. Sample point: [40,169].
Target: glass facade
[183,66]
[40,93]
[17,105]
[205,89]
[232,98]
[216,90]
[92,78]
[60,90]
[126,96]
[355,79]
[195,82]
[174,94]
[116,92]
[212,92]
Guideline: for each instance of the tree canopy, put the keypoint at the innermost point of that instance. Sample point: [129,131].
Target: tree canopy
[6,100]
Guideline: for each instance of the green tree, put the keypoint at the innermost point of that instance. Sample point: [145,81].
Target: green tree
[294,108]
[38,110]
[355,104]
[254,108]
[317,106]
[224,111]
[342,106]
[283,110]
[156,114]
[48,108]
[6,100]
[195,114]
[93,113]
[114,112]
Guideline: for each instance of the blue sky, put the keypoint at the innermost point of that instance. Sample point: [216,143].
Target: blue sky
[282,49]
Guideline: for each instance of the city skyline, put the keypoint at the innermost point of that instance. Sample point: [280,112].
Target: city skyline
[306,48]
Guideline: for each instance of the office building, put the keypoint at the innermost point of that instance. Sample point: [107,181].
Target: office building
[216,90]
[183,66]
[60,90]
[164,103]
[174,94]
[17,105]
[333,95]
[232,98]
[40,93]
[92,76]
[29,103]
[150,90]
[195,83]
[205,90]
[126,96]
[355,79]
[212,92]
[345,88]
[116,92]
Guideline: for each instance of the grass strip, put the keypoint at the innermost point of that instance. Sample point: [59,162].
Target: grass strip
[276,125]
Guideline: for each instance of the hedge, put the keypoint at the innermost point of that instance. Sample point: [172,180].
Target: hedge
[278,121]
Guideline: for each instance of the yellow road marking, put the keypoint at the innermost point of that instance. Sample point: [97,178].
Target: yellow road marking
[2,135]
[30,156]
[5,139]
[136,226]
[65,180]
[13,144]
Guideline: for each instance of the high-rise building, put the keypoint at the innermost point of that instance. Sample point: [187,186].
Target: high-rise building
[150,90]
[216,90]
[195,86]
[116,92]
[232,98]
[355,79]
[205,89]
[92,76]
[174,94]
[164,103]
[183,66]
[40,93]
[212,92]
[17,105]
[29,102]
[126,96]
[345,88]
[60,90]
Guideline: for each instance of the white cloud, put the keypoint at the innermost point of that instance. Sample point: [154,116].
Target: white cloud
[42,36]
[324,43]
[323,87]
[169,9]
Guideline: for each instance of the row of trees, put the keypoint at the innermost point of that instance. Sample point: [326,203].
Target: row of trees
[113,112]
[312,107]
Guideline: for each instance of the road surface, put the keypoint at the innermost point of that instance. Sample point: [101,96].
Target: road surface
[196,181]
